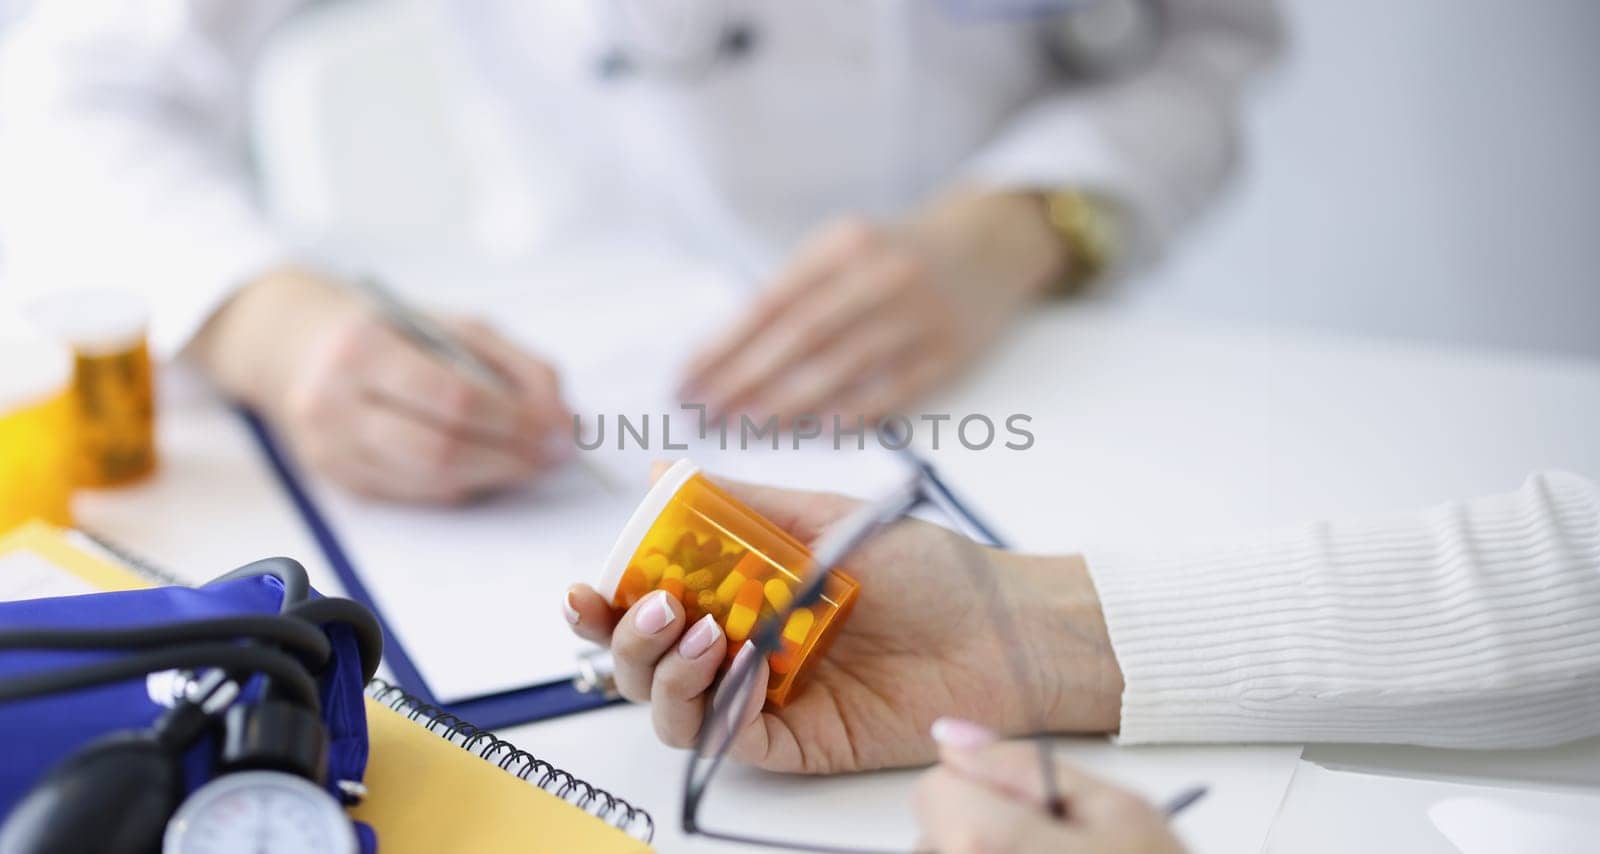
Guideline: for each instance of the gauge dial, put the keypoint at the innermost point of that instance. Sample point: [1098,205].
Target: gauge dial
[260,812]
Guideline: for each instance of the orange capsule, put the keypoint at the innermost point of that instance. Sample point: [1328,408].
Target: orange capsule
[746,607]
[782,661]
[749,596]
[751,565]
[673,586]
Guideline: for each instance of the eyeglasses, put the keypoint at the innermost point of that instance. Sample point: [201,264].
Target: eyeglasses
[924,487]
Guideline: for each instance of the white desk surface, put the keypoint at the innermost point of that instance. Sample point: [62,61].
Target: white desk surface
[1144,429]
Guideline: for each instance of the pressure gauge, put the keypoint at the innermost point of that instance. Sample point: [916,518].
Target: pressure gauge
[262,812]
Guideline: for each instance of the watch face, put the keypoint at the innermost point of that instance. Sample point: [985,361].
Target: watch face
[260,812]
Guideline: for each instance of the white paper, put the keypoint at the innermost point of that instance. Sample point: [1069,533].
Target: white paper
[1339,811]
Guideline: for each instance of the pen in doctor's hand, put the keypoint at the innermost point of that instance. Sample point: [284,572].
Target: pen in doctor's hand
[1183,800]
[423,331]
[985,795]
[430,336]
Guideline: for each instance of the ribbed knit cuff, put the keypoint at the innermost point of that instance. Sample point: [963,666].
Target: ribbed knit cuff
[1194,634]
[1472,624]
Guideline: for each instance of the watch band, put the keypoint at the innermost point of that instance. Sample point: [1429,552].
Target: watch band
[1089,225]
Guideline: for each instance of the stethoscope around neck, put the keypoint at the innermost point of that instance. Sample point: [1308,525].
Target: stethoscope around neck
[702,35]
[688,39]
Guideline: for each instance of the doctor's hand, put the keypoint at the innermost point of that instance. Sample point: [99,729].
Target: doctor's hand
[920,644]
[988,797]
[868,317]
[361,404]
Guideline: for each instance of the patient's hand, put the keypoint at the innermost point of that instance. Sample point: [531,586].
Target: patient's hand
[920,644]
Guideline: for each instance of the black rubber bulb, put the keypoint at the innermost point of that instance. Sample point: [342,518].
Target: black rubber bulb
[114,796]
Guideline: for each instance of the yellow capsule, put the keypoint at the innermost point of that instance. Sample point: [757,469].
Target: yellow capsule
[799,625]
[686,550]
[707,599]
[700,579]
[653,566]
[778,593]
[729,587]
[740,621]
[672,571]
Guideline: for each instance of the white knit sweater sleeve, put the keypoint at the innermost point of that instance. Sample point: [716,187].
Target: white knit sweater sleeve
[1472,624]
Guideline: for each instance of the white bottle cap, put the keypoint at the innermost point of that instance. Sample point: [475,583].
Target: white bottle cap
[94,322]
[645,515]
[37,366]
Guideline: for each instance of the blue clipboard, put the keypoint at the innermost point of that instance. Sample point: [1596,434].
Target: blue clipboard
[522,705]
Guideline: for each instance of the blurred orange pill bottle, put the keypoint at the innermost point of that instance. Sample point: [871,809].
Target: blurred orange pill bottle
[113,382]
[36,426]
[719,557]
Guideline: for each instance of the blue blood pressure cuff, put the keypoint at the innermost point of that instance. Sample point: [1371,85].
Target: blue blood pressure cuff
[39,732]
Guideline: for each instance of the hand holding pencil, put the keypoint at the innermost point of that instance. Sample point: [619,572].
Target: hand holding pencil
[387,402]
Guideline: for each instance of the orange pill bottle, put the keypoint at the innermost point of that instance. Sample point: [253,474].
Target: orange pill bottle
[717,556]
[113,384]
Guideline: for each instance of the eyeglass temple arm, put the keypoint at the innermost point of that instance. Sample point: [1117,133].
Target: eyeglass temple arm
[935,491]
[939,494]
[846,535]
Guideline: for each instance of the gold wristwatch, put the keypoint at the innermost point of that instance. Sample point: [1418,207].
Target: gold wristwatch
[1089,225]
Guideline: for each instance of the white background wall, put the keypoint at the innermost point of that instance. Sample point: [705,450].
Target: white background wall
[1426,168]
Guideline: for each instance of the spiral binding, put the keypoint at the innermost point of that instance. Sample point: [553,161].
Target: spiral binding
[595,801]
[133,559]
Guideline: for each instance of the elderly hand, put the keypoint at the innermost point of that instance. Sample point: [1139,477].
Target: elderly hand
[919,643]
[987,797]
[868,317]
[364,406]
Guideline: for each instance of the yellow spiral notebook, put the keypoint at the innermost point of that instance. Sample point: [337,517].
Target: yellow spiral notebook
[429,786]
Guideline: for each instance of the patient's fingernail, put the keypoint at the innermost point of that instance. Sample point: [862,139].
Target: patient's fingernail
[699,638]
[957,732]
[569,609]
[654,613]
